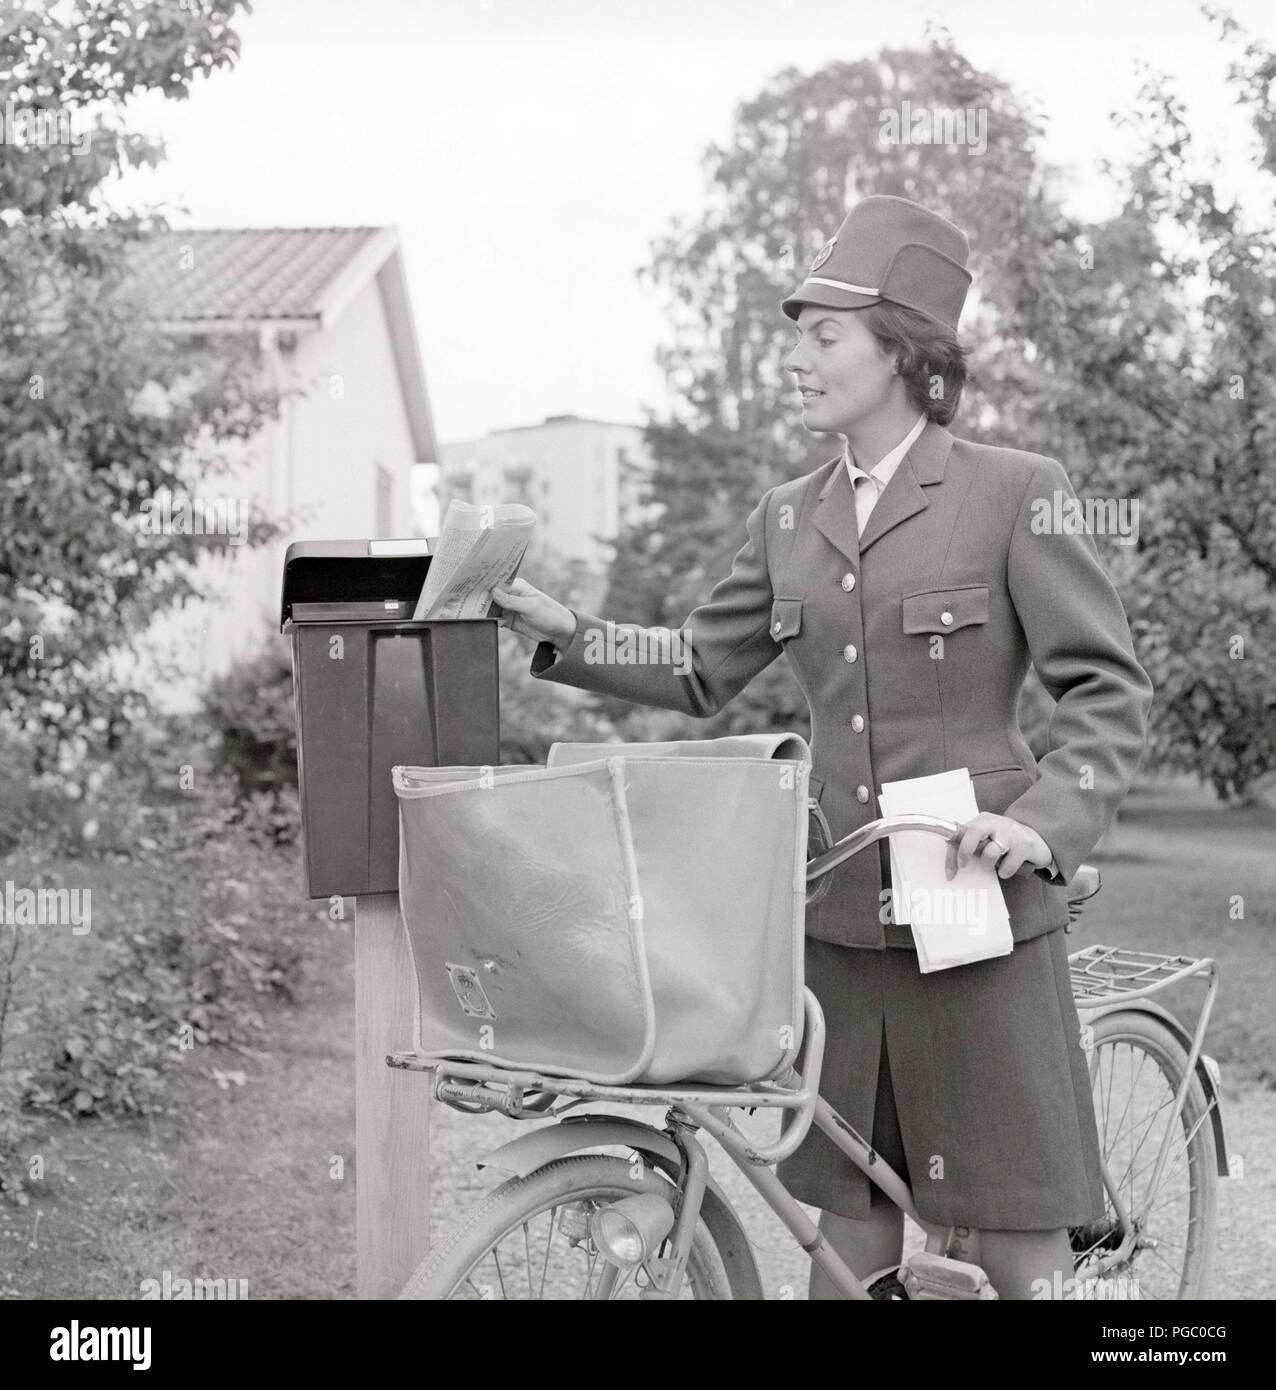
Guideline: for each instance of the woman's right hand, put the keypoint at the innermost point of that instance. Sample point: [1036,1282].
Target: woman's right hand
[524,609]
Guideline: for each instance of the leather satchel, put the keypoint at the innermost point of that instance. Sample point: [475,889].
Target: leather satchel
[631,914]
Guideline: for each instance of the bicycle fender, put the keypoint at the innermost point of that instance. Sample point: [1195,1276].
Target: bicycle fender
[538,1147]
[1204,1075]
[576,1133]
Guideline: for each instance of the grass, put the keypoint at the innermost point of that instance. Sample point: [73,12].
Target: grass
[1176,868]
[238,1183]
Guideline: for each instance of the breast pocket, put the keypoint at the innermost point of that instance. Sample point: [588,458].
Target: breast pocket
[786,619]
[946,610]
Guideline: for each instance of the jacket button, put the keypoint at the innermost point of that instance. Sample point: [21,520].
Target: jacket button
[848,581]
[849,652]
[862,793]
[945,617]
[857,723]
[775,627]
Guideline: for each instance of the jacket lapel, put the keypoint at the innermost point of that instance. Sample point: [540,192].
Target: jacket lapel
[835,512]
[923,465]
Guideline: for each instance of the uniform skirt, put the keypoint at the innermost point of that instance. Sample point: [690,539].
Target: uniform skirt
[971,1083]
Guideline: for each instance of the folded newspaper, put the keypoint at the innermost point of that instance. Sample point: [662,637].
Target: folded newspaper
[478,548]
[955,921]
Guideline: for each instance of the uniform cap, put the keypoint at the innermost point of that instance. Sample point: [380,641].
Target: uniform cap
[889,249]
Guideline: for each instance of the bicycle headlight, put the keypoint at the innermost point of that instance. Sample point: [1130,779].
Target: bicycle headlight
[631,1230]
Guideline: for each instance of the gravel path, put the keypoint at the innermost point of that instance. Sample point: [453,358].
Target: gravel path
[1245,1254]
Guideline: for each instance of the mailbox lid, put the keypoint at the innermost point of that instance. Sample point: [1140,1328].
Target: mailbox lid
[353,580]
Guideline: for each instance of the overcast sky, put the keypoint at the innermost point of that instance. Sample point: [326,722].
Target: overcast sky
[563,136]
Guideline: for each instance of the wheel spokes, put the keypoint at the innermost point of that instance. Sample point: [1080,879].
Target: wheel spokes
[1133,1129]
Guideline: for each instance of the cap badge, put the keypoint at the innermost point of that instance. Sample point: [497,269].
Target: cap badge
[823,254]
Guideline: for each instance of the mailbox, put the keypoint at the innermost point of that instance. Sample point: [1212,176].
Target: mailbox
[374,688]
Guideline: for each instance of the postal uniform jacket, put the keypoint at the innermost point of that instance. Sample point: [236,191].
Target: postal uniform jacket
[911,645]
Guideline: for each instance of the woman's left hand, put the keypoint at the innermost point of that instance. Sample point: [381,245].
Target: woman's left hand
[1006,844]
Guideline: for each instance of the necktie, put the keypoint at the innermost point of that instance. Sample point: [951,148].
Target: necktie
[865,499]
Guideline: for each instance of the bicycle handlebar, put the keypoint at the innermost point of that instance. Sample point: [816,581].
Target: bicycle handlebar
[870,834]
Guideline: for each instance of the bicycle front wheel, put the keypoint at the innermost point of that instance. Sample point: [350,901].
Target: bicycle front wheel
[529,1239]
[1136,1067]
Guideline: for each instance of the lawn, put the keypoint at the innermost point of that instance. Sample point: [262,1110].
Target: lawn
[251,1181]
[255,1181]
[1176,867]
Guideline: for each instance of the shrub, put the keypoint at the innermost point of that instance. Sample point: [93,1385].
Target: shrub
[250,709]
[197,919]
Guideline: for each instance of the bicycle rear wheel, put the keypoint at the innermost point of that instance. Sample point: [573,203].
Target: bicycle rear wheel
[529,1239]
[1136,1067]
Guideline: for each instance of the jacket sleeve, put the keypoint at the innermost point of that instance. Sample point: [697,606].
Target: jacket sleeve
[1080,644]
[697,668]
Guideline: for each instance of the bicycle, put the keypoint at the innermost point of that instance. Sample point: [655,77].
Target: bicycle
[571,1221]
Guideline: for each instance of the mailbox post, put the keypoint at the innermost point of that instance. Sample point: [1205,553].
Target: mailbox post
[374,688]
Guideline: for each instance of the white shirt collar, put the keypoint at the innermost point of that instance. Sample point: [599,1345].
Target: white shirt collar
[884,469]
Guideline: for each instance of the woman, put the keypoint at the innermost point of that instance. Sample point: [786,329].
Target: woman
[910,581]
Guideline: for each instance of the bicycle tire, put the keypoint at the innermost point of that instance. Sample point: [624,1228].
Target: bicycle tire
[512,1206]
[1123,1045]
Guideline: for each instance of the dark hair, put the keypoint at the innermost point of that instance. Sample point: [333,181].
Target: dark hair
[928,356]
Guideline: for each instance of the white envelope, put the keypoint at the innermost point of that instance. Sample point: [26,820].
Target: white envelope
[955,921]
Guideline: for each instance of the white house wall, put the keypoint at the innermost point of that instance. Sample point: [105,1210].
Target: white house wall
[315,469]
[353,418]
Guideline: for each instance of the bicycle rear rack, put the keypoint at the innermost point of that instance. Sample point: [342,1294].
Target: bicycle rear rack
[463,1085]
[525,1095]
[1106,974]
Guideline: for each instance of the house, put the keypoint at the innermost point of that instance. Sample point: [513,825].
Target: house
[581,476]
[330,309]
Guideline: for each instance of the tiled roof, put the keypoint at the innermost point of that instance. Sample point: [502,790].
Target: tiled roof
[243,274]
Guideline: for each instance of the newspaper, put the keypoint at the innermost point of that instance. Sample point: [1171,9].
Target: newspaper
[955,921]
[478,547]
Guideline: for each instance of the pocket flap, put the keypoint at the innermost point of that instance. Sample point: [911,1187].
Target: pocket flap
[786,618]
[945,610]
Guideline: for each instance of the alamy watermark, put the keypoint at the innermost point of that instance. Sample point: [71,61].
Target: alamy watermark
[47,907]
[618,644]
[943,125]
[943,907]
[88,1343]
[1118,1289]
[173,514]
[1062,515]
[38,127]
[174,1288]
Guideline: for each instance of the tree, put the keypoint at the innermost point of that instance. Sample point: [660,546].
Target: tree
[1094,344]
[1157,338]
[1208,582]
[98,412]
[801,152]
